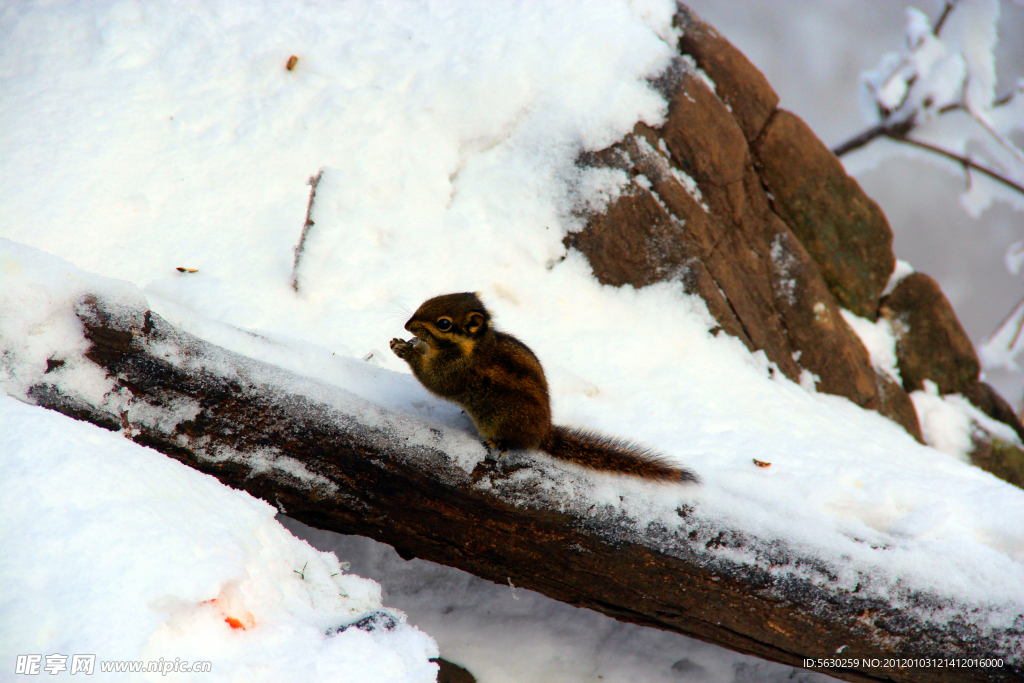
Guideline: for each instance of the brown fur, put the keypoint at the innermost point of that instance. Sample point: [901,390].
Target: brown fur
[499,382]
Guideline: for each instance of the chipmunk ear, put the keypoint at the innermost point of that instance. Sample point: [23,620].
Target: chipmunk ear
[476,323]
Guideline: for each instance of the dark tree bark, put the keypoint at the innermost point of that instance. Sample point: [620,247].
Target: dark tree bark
[366,472]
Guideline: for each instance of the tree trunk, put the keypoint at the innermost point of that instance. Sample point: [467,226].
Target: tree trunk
[334,461]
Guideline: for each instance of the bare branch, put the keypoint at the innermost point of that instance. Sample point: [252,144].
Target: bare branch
[1015,318]
[937,26]
[1003,142]
[964,161]
[900,131]
[891,130]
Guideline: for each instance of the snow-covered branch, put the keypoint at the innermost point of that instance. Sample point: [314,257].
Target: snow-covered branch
[947,69]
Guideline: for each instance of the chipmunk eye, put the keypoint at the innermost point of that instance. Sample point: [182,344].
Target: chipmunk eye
[444,324]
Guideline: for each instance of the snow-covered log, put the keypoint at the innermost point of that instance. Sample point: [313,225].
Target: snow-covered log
[338,462]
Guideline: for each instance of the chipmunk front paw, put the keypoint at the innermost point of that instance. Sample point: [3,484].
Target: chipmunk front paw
[403,349]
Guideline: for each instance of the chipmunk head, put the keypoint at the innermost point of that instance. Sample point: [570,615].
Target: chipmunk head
[450,318]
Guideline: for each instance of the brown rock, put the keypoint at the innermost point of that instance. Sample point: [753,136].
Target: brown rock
[825,344]
[447,672]
[930,342]
[697,212]
[726,222]
[638,240]
[634,242]
[774,267]
[896,405]
[816,330]
[985,399]
[738,83]
[712,257]
[842,228]
[932,345]
[756,278]
[717,156]
[1004,460]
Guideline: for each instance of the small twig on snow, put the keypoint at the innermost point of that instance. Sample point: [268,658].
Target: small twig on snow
[312,182]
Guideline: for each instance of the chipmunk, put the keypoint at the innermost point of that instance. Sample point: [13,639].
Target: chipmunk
[458,355]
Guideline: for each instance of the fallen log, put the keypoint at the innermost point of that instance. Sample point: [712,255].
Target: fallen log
[334,461]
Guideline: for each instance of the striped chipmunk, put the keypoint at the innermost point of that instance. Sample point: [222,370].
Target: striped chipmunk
[458,355]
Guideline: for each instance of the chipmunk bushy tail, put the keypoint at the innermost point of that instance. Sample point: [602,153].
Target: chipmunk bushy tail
[610,454]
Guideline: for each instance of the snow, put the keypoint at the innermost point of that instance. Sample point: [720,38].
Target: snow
[900,271]
[98,531]
[949,421]
[148,139]
[783,264]
[554,642]
[935,71]
[879,340]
